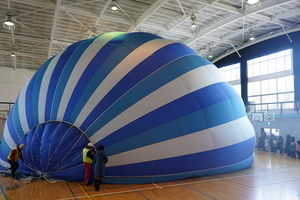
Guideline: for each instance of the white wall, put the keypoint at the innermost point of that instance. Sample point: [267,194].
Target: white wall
[286,125]
[11,83]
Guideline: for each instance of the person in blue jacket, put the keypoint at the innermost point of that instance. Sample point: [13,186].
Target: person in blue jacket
[100,159]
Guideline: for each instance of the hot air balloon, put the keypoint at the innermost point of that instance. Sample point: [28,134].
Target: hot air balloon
[162,112]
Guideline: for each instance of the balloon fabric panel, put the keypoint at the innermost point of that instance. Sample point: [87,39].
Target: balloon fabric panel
[162,112]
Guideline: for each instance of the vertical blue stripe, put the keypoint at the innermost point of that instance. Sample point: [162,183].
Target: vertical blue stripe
[145,87]
[14,125]
[102,70]
[15,119]
[28,101]
[139,73]
[55,77]
[4,150]
[35,84]
[65,76]
[106,59]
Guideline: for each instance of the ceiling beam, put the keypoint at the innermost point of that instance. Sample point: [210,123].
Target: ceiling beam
[5,36]
[23,38]
[45,4]
[154,7]
[235,17]
[213,27]
[55,17]
[88,13]
[261,39]
[217,4]
[189,34]
[275,20]
[29,55]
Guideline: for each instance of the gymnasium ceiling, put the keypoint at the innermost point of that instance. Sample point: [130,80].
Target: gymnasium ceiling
[44,28]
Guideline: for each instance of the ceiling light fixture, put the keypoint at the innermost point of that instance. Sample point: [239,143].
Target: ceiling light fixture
[13,51]
[193,25]
[94,31]
[210,55]
[252,1]
[114,7]
[8,23]
[252,4]
[252,37]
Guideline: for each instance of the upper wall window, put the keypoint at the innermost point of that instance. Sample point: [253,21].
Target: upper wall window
[232,76]
[273,63]
[231,72]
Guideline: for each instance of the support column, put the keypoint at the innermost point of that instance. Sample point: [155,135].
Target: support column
[244,81]
[296,70]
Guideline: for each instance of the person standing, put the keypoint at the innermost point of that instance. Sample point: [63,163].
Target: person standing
[99,167]
[287,144]
[88,157]
[292,148]
[279,145]
[266,144]
[298,149]
[13,158]
[275,141]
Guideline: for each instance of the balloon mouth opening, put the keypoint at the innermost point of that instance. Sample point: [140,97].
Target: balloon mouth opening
[56,152]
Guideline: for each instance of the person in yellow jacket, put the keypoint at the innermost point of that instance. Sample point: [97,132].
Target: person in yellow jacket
[88,156]
[13,158]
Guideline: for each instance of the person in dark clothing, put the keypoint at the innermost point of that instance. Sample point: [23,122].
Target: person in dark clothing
[293,148]
[99,167]
[13,158]
[287,144]
[298,149]
[279,145]
[261,144]
[87,156]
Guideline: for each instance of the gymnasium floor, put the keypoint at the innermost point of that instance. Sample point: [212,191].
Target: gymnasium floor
[271,177]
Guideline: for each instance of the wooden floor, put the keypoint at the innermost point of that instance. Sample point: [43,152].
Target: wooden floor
[271,177]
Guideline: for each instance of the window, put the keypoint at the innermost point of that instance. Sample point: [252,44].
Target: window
[277,62]
[270,81]
[232,76]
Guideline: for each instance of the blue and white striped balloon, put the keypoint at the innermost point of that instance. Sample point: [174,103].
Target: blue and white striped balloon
[162,112]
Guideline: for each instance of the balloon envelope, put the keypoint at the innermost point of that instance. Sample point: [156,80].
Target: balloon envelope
[161,111]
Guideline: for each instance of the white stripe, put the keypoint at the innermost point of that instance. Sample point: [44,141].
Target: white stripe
[7,137]
[125,66]
[78,70]
[4,163]
[44,87]
[22,108]
[9,141]
[185,84]
[231,133]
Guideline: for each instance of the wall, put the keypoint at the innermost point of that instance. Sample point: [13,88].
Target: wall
[11,83]
[2,124]
[286,125]
[262,48]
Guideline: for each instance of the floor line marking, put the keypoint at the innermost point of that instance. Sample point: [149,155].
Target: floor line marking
[84,191]
[197,191]
[156,186]
[189,183]
[138,192]
[73,193]
[4,194]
